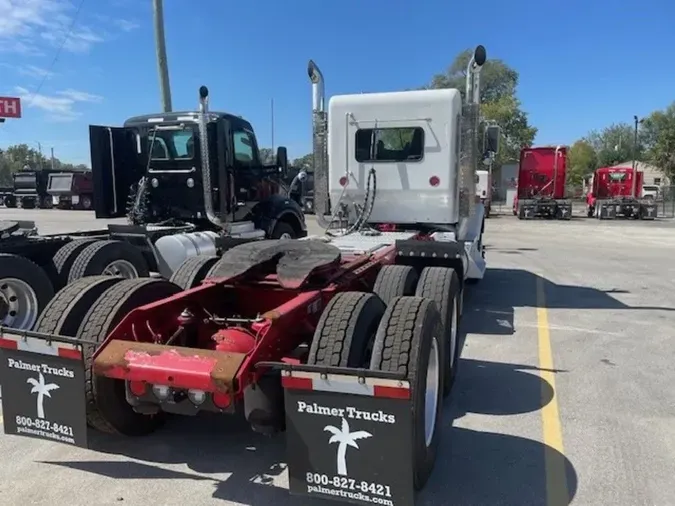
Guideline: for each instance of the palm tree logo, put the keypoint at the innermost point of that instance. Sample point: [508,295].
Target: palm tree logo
[344,438]
[42,390]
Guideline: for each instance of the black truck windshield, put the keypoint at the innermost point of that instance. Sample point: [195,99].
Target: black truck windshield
[617,177]
[171,144]
[60,182]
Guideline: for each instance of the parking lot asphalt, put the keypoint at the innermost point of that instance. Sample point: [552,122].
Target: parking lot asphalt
[564,393]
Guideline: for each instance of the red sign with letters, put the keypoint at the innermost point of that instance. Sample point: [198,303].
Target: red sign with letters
[10,107]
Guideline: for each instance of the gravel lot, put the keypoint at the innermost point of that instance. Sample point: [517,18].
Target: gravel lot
[569,403]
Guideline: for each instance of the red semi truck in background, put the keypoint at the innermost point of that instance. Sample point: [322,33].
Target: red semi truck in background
[613,195]
[72,190]
[541,184]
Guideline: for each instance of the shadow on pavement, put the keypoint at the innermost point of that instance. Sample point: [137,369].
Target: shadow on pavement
[490,305]
[473,467]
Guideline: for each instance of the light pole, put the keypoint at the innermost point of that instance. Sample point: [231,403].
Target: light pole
[635,153]
[160,48]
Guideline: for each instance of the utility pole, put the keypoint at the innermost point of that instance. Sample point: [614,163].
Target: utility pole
[635,153]
[272,115]
[52,157]
[160,48]
[40,153]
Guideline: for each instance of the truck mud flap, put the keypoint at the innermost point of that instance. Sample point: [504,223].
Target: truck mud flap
[648,211]
[608,211]
[43,387]
[348,434]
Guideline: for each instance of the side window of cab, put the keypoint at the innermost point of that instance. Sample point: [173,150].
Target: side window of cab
[245,149]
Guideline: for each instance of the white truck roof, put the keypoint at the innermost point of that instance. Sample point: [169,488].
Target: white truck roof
[416,146]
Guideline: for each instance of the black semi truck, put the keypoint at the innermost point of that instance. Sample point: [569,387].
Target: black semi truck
[29,189]
[191,185]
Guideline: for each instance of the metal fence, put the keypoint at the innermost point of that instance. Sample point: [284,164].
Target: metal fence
[665,203]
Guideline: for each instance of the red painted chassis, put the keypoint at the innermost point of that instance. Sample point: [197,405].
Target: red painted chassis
[272,322]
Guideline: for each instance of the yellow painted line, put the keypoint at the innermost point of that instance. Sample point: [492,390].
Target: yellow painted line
[557,492]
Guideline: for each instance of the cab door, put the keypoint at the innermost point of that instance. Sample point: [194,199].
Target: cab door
[114,166]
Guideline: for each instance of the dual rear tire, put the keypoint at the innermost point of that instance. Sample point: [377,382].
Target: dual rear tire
[407,326]
[89,309]
[94,257]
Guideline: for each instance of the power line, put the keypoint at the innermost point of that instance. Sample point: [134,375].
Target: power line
[58,51]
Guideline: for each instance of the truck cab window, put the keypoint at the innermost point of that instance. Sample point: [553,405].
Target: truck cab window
[159,149]
[171,144]
[184,144]
[389,144]
[244,147]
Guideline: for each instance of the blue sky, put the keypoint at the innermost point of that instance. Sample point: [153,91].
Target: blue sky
[582,64]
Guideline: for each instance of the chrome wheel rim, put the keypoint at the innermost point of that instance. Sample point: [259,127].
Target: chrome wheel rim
[431,392]
[285,235]
[122,268]
[18,304]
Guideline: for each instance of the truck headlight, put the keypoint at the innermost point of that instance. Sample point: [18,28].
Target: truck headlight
[190,182]
[154,182]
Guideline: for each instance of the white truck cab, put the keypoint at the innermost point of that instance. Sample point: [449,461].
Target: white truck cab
[392,166]
[411,139]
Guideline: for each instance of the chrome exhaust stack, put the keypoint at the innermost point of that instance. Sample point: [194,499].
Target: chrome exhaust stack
[473,75]
[319,144]
[206,163]
[471,153]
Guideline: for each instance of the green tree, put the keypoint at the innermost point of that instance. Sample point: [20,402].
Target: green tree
[615,144]
[14,158]
[658,133]
[498,84]
[582,160]
[267,155]
[304,162]
[497,80]
[22,154]
[515,130]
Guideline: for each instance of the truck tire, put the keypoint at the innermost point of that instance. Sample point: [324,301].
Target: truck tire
[283,230]
[395,281]
[193,271]
[10,202]
[46,202]
[409,341]
[346,330]
[65,258]
[441,284]
[28,204]
[107,407]
[112,258]
[25,290]
[65,312]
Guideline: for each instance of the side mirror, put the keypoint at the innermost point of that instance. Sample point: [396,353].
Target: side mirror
[491,139]
[282,160]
